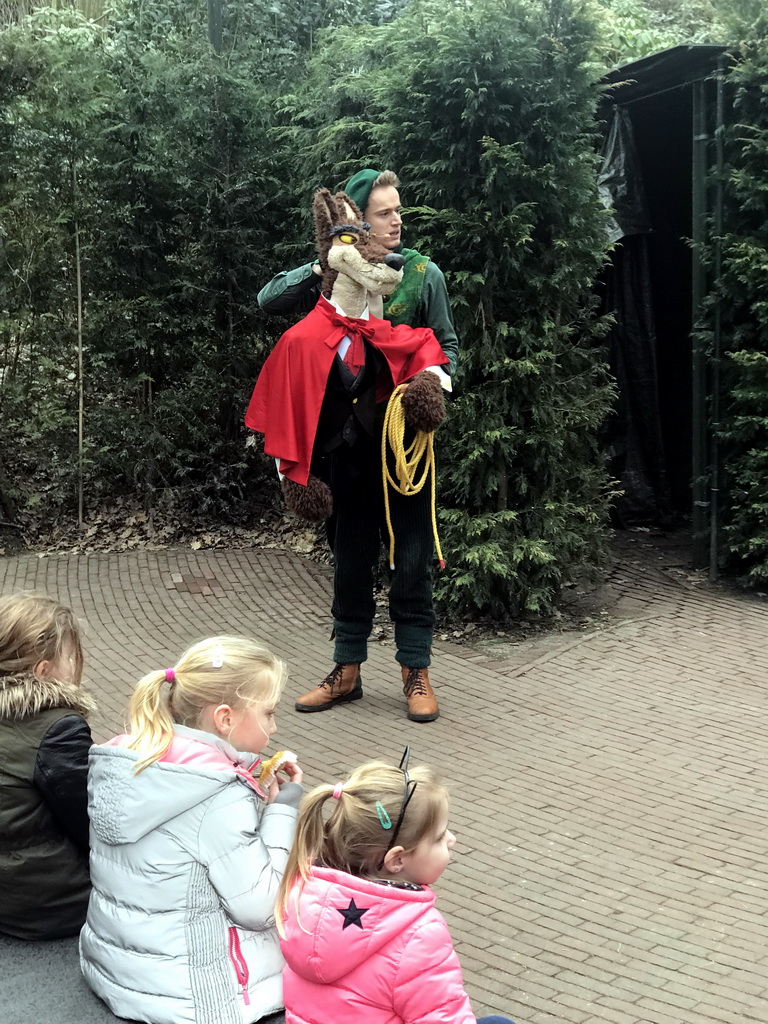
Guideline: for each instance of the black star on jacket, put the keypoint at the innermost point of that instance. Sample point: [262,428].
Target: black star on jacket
[352,914]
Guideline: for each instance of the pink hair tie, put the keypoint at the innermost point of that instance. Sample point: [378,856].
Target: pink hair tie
[170,676]
[338,789]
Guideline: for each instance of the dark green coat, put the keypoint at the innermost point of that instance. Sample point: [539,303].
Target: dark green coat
[44,743]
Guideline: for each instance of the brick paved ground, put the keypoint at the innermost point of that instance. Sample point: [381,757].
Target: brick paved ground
[610,789]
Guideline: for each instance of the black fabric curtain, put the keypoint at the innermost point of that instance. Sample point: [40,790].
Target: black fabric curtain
[633,435]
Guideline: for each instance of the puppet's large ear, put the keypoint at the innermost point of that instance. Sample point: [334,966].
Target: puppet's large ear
[324,210]
[343,200]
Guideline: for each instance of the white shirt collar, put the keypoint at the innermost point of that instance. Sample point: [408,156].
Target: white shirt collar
[363,316]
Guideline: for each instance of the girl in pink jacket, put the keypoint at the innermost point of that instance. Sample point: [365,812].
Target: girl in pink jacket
[360,933]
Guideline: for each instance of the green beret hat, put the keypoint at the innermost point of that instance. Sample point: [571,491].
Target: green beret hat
[359,186]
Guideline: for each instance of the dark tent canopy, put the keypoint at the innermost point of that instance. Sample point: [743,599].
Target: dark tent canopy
[660,115]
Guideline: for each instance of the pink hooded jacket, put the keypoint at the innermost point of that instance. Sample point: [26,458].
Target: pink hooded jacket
[361,951]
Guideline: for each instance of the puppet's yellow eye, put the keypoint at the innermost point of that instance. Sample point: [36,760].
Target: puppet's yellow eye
[347,239]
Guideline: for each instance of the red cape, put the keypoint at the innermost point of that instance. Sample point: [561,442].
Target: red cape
[285,405]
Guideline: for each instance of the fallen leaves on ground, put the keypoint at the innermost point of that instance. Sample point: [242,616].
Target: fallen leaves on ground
[123,527]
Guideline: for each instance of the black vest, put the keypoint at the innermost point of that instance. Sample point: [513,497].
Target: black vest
[349,404]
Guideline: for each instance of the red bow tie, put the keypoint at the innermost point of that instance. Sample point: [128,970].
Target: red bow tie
[355,330]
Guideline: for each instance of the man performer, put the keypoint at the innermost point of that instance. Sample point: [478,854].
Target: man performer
[353,468]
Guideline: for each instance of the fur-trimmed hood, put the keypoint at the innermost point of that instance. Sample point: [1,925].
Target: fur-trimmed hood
[25,694]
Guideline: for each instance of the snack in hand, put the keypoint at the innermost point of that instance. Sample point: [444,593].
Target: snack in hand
[271,766]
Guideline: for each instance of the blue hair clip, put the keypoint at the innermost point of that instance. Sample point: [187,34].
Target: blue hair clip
[384,818]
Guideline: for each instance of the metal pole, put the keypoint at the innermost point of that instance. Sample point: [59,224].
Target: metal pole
[717,328]
[80,380]
[700,507]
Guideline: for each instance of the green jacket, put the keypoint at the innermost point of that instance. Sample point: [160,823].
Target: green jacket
[44,743]
[297,291]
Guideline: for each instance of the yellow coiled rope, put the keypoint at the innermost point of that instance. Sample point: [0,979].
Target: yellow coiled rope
[406,465]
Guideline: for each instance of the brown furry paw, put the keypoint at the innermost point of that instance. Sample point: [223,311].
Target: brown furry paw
[312,502]
[423,403]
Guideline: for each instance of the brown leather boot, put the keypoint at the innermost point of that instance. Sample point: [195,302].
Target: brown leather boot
[343,683]
[422,703]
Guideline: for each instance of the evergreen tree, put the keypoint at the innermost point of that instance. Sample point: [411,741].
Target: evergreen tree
[487,113]
[189,195]
[742,291]
[53,93]
[156,149]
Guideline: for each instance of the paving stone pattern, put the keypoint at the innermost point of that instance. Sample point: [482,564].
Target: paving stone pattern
[609,789]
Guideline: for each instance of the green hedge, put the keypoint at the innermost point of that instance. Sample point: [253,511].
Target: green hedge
[174,181]
[743,292]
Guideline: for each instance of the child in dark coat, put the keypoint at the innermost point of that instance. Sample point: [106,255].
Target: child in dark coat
[44,744]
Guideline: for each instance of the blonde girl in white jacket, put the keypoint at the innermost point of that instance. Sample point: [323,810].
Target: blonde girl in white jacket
[187,848]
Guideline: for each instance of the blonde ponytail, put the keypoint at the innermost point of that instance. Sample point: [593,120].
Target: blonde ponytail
[151,719]
[307,848]
[220,670]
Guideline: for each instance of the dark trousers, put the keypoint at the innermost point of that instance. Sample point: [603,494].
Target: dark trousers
[355,532]
[494,1020]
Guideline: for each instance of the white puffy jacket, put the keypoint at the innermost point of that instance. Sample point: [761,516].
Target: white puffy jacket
[186,860]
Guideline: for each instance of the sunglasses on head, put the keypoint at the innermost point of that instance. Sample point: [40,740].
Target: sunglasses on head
[410,789]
